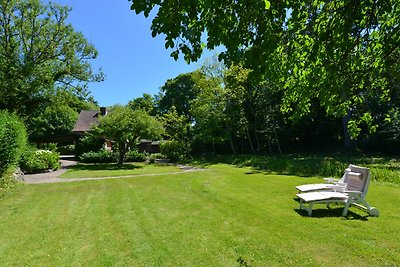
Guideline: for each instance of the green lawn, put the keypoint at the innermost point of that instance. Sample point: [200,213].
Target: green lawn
[128,169]
[224,216]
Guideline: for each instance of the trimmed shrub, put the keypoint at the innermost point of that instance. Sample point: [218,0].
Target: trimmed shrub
[88,143]
[152,157]
[66,149]
[34,161]
[101,156]
[13,140]
[135,156]
[174,150]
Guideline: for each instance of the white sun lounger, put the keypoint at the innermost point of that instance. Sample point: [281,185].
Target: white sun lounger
[352,193]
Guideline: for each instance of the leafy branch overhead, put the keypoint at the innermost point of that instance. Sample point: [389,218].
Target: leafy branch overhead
[342,53]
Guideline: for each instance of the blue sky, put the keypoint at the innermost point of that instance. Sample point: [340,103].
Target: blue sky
[133,62]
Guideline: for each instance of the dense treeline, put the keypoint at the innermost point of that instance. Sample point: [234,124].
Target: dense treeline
[331,66]
[223,110]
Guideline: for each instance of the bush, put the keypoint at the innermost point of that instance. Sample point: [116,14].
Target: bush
[13,140]
[174,150]
[152,157]
[66,149]
[34,161]
[88,143]
[101,156]
[135,156]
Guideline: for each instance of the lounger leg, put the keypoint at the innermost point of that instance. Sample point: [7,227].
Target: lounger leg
[308,209]
[347,206]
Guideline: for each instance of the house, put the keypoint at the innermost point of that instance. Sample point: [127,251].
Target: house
[149,146]
[86,120]
[89,118]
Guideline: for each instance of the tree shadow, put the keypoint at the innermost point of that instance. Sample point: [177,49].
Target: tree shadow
[104,167]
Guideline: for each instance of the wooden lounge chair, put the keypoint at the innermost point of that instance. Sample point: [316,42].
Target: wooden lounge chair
[352,193]
[329,184]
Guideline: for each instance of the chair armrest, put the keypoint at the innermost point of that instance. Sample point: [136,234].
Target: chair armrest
[353,193]
[330,180]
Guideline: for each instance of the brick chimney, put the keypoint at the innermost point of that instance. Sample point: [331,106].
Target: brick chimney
[103,111]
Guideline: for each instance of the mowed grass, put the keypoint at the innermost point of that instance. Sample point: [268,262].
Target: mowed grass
[223,216]
[112,170]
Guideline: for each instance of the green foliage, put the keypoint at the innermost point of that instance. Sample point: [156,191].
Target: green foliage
[126,127]
[101,156]
[64,149]
[13,140]
[175,150]
[178,93]
[209,107]
[176,126]
[57,119]
[57,116]
[40,52]
[135,156]
[391,127]
[154,156]
[146,103]
[88,143]
[34,160]
[342,54]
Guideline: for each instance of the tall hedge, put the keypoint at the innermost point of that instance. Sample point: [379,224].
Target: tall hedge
[13,139]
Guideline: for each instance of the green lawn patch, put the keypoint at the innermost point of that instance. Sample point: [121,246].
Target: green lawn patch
[112,170]
[224,216]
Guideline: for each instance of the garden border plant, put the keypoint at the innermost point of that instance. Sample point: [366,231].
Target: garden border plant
[13,139]
[38,160]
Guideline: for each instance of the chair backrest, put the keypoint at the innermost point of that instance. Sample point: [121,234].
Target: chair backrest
[358,179]
[344,178]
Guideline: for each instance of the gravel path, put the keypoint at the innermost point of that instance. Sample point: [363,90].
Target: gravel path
[67,161]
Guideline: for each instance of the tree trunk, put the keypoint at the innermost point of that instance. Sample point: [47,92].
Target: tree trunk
[257,141]
[122,151]
[269,146]
[251,143]
[231,141]
[347,142]
[277,142]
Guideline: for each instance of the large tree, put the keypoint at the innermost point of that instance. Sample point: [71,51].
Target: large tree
[126,127]
[179,92]
[57,116]
[341,53]
[39,53]
[145,102]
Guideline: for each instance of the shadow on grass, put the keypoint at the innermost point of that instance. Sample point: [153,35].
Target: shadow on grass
[104,167]
[332,212]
